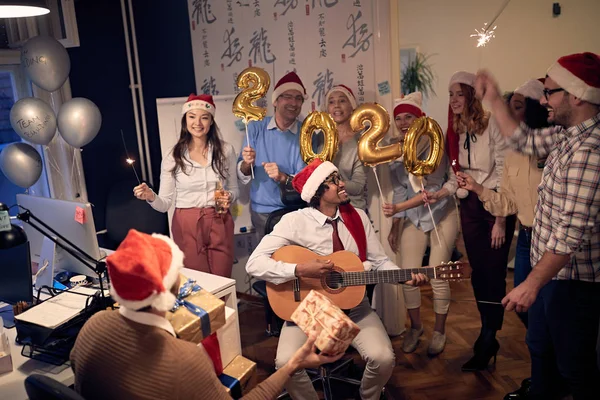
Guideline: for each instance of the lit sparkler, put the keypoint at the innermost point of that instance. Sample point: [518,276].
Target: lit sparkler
[484,35]
[130,160]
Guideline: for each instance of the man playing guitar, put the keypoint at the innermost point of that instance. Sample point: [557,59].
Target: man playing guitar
[330,224]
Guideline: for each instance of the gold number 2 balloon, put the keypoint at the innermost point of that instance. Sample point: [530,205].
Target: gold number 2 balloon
[431,129]
[254,83]
[369,153]
[315,121]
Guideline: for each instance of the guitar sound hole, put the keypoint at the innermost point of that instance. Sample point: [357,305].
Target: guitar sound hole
[333,280]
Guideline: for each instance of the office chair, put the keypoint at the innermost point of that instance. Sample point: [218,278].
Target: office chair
[125,212]
[42,387]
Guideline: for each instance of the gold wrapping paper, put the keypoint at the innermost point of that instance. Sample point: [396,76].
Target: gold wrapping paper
[187,325]
[244,371]
[335,330]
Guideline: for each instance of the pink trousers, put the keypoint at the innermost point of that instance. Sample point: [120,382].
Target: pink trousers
[206,239]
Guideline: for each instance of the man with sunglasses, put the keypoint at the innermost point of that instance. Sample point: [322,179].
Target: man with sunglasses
[330,224]
[273,151]
[562,292]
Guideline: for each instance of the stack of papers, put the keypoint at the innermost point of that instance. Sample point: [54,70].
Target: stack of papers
[58,309]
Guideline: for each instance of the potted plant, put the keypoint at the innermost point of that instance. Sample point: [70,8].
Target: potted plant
[418,75]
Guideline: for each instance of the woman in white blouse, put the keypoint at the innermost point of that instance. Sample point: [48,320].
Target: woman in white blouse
[476,146]
[413,231]
[198,165]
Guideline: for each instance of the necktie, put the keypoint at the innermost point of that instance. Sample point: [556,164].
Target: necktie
[337,242]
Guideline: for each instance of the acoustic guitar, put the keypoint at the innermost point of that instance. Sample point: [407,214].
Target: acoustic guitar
[345,284]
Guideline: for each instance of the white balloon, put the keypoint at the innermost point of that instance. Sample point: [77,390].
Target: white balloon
[79,121]
[33,120]
[46,62]
[21,164]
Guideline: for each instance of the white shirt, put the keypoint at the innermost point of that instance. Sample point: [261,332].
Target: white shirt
[196,187]
[308,228]
[486,155]
[147,318]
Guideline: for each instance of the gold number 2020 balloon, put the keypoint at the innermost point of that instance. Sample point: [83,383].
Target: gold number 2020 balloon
[369,153]
[254,83]
[315,121]
[428,127]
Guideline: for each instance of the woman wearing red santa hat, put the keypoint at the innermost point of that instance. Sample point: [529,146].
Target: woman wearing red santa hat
[413,231]
[476,146]
[199,165]
[340,103]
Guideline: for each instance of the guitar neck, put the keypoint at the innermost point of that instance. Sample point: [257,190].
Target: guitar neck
[387,276]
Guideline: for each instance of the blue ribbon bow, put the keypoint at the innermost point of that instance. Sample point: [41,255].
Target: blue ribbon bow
[188,288]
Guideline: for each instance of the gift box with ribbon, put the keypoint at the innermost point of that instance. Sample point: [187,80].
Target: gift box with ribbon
[197,313]
[239,377]
[335,330]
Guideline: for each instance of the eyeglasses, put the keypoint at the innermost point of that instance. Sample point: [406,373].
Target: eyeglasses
[289,97]
[333,178]
[550,92]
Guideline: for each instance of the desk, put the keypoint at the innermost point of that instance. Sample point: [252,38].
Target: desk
[12,385]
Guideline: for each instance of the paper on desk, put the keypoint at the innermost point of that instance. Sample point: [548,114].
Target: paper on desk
[58,309]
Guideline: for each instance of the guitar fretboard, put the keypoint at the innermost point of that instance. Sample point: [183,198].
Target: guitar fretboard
[387,276]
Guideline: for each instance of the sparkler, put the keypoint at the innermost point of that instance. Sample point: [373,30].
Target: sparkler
[130,160]
[486,34]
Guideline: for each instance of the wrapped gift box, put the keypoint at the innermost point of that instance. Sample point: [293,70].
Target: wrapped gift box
[6,364]
[239,377]
[335,330]
[229,337]
[197,314]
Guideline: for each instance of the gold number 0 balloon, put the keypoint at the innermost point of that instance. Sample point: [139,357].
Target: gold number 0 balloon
[369,153]
[430,128]
[254,83]
[315,121]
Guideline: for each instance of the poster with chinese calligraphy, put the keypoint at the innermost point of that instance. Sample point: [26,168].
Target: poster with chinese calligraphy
[325,41]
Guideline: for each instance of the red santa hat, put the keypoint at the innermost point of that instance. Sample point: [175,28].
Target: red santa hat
[464,77]
[203,102]
[578,74]
[290,81]
[346,91]
[143,270]
[307,181]
[533,88]
[411,103]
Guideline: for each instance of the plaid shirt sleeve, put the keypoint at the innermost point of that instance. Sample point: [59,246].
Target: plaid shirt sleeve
[537,142]
[580,205]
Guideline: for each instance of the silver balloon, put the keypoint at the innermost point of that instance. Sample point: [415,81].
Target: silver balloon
[21,164]
[33,120]
[79,121]
[46,62]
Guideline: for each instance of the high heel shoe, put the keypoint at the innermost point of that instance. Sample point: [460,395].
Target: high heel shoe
[482,357]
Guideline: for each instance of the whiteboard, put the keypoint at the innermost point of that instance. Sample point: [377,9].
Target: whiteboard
[169,125]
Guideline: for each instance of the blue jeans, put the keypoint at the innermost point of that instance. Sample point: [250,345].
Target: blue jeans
[522,263]
[562,335]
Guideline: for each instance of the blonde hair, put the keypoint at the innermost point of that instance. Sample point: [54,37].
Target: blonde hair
[474,119]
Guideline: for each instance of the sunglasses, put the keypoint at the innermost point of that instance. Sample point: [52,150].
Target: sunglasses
[550,92]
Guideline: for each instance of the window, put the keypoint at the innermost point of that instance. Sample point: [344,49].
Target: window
[13,86]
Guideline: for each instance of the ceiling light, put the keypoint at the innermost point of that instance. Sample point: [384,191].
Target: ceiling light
[22,8]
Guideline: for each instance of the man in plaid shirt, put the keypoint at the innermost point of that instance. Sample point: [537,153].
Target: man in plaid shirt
[562,293]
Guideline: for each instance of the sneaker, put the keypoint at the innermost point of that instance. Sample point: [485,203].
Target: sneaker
[411,340]
[437,344]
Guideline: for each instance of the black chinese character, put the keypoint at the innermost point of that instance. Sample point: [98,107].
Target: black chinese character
[361,43]
[233,51]
[328,3]
[202,10]
[287,4]
[323,83]
[261,47]
[209,86]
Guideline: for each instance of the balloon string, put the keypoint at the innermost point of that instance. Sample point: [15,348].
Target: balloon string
[248,142]
[431,214]
[53,163]
[378,184]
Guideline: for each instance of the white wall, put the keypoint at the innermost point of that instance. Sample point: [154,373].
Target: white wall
[528,38]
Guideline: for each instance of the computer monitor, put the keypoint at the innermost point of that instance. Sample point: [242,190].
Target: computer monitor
[60,215]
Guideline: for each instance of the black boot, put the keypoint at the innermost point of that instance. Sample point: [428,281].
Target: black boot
[486,346]
[521,393]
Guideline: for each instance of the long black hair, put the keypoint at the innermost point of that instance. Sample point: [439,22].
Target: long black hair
[536,115]
[213,138]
